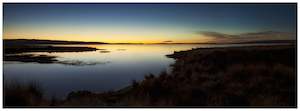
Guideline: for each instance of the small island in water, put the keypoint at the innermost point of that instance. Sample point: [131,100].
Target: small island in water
[17,49]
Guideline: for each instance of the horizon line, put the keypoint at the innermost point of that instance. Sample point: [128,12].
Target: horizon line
[148,43]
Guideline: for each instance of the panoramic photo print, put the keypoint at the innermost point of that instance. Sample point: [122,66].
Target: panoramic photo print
[149,55]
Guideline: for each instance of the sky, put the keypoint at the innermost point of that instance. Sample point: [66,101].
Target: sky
[150,23]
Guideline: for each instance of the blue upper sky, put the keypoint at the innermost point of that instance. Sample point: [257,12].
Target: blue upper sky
[143,22]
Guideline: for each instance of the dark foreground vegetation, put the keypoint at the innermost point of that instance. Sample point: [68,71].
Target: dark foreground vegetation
[237,76]
[18,94]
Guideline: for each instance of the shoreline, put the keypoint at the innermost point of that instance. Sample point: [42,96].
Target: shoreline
[208,77]
[156,88]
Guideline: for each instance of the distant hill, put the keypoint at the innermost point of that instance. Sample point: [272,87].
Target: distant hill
[41,42]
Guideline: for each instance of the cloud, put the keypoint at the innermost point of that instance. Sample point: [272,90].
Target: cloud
[215,34]
[270,34]
[245,37]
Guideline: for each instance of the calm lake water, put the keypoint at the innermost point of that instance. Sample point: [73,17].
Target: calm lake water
[101,70]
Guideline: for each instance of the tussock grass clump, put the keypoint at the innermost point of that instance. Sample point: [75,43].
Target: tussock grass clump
[18,94]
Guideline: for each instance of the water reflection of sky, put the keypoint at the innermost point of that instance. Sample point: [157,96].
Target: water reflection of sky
[131,63]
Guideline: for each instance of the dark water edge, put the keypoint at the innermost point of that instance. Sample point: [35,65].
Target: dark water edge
[240,76]
[46,59]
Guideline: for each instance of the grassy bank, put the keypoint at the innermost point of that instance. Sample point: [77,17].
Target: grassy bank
[17,94]
[237,76]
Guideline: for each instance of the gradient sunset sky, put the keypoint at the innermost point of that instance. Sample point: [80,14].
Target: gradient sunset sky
[150,23]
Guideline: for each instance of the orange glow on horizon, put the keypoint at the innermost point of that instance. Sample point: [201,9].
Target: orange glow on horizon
[113,38]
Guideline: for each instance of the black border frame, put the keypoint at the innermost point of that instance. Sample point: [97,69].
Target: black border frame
[117,107]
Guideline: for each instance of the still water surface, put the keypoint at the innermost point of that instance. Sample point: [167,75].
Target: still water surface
[103,70]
